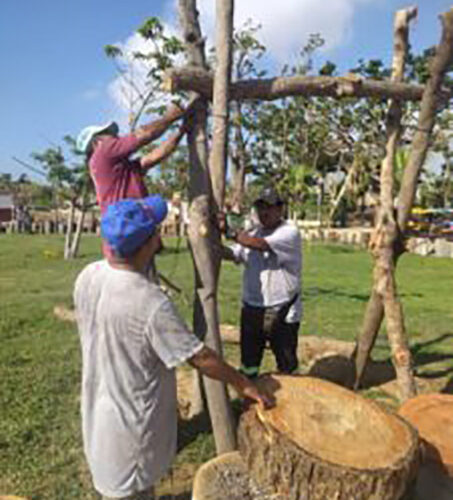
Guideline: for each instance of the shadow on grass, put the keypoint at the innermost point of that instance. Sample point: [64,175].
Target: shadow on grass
[172,250]
[339,249]
[341,370]
[448,389]
[181,496]
[422,358]
[314,292]
[190,429]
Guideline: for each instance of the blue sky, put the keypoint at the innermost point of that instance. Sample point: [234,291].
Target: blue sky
[55,77]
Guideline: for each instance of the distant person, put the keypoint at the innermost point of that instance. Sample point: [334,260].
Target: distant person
[19,215]
[116,176]
[132,339]
[271,286]
[28,220]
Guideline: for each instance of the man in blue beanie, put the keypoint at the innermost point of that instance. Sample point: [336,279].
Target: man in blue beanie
[132,339]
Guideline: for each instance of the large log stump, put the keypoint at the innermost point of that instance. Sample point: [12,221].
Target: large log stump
[322,441]
[226,477]
[432,416]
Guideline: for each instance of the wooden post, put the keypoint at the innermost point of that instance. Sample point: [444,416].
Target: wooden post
[387,231]
[430,101]
[350,85]
[220,109]
[201,230]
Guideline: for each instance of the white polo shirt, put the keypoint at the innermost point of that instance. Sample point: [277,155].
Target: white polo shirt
[272,278]
[132,338]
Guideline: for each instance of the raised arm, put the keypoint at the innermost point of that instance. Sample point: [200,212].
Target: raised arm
[163,151]
[156,128]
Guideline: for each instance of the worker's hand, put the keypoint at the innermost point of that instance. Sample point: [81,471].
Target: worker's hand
[193,103]
[251,392]
[174,111]
[222,222]
[188,122]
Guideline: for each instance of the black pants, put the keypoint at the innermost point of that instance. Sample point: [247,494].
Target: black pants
[260,325]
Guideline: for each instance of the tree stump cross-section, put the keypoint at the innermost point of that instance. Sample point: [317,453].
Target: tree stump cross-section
[322,441]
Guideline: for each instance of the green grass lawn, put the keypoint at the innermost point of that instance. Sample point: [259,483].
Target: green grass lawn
[40,443]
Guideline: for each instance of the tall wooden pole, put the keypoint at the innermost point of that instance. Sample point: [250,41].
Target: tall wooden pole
[220,107]
[431,101]
[387,232]
[201,230]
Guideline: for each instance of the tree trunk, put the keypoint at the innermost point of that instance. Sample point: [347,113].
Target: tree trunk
[239,160]
[341,193]
[387,231]
[220,107]
[446,188]
[78,234]
[374,314]
[432,97]
[201,230]
[350,85]
[322,441]
[69,231]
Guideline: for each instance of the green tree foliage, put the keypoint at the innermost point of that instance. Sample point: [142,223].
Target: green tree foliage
[68,175]
[142,72]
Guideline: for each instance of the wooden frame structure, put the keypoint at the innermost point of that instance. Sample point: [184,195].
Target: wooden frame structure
[207,180]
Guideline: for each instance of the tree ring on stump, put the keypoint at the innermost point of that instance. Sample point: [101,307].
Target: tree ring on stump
[322,441]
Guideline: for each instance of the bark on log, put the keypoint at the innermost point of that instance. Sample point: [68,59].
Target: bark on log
[432,98]
[322,441]
[385,237]
[220,106]
[226,477]
[350,85]
[206,323]
[432,416]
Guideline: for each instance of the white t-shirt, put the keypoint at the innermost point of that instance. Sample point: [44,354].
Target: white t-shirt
[273,278]
[132,338]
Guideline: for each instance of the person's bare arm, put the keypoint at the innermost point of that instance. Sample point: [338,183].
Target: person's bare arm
[211,365]
[226,253]
[162,151]
[156,128]
[244,239]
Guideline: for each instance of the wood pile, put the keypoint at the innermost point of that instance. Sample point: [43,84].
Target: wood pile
[320,441]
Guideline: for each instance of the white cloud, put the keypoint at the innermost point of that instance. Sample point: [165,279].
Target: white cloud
[128,88]
[286,26]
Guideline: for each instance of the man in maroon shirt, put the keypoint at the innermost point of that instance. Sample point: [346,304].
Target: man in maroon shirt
[114,174]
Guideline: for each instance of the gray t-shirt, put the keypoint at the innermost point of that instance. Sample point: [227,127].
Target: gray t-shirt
[132,338]
[272,278]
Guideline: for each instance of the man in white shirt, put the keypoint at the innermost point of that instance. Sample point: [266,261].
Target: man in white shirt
[271,286]
[132,338]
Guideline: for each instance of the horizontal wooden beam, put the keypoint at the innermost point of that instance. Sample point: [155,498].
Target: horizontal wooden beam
[351,85]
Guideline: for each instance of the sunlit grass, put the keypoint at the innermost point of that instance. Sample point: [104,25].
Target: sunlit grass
[40,443]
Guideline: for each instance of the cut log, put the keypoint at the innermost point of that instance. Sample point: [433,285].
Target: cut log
[11,497]
[322,441]
[432,416]
[312,347]
[225,477]
[351,85]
